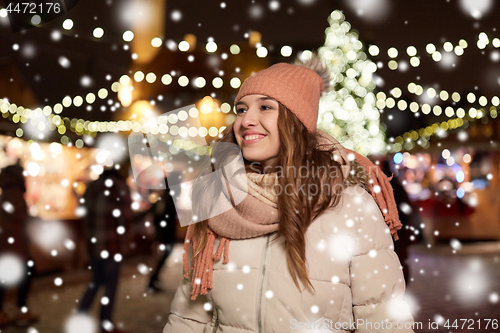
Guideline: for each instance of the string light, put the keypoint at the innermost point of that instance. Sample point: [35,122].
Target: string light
[86,127]
[402,104]
[156,42]
[482,42]
[286,51]
[445,95]
[67,24]
[98,32]
[421,136]
[128,36]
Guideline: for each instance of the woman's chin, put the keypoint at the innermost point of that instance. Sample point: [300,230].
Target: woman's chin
[263,161]
[252,157]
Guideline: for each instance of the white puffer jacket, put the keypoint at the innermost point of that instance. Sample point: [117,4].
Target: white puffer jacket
[356,275]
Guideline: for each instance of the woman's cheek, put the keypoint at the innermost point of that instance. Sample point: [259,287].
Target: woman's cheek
[276,146]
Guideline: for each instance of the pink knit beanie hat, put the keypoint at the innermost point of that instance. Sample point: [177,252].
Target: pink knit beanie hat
[298,87]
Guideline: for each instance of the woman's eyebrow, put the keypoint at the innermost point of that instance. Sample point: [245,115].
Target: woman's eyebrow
[239,103]
[267,98]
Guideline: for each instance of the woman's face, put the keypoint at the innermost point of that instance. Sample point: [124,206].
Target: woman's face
[256,129]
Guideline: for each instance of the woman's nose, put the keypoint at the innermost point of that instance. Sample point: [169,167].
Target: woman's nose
[250,118]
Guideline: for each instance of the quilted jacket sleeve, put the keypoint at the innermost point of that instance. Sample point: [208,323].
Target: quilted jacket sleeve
[377,282]
[187,316]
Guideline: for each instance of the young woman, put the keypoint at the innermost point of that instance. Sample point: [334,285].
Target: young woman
[309,248]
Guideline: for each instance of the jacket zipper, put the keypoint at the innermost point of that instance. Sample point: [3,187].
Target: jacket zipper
[262,286]
[216,326]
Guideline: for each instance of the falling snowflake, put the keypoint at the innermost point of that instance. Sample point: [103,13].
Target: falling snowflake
[476,8]
[8,207]
[455,244]
[439,319]
[11,269]
[28,51]
[471,283]
[69,244]
[143,269]
[405,208]
[307,2]
[86,81]
[274,5]
[64,62]
[399,310]
[176,15]
[374,11]
[256,11]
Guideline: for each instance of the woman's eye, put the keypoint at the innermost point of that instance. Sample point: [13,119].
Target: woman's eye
[240,110]
[266,107]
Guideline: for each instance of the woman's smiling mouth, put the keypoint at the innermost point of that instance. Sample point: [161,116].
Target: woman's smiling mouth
[252,138]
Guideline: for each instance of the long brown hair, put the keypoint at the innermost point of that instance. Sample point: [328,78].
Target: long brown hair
[297,208]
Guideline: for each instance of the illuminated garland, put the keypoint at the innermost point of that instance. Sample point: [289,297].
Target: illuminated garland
[482,42]
[44,120]
[85,127]
[408,140]
[431,49]
[421,136]
[431,93]
[102,93]
[388,102]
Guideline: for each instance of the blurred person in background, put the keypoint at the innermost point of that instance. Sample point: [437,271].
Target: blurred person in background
[14,241]
[108,216]
[165,220]
[411,232]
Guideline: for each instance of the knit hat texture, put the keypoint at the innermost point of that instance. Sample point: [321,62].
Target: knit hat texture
[297,87]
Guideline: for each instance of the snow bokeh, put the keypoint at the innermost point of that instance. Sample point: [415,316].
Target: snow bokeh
[476,8]
[80,323]
[12,269]
[48,235]
[471,284]
[373,11]
[113,149]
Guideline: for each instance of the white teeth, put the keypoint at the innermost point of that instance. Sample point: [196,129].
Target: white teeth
[251,137]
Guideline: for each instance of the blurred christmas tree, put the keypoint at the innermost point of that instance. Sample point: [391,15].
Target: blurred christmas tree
[348,111]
